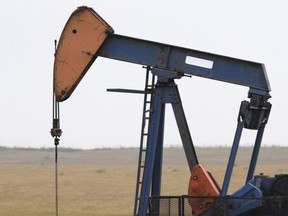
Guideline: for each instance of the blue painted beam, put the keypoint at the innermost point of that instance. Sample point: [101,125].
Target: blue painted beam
[186,61]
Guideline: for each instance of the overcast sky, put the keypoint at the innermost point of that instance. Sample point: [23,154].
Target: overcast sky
[92,118]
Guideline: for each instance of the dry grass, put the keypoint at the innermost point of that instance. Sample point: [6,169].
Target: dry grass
[104,189]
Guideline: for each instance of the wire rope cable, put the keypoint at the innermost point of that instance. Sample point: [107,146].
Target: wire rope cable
[56,132]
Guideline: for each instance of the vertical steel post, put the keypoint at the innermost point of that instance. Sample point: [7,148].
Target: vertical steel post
[255,153]
[232,158]
[151,151]
[157,168]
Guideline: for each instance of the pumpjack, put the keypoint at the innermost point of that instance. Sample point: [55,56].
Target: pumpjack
[87,36]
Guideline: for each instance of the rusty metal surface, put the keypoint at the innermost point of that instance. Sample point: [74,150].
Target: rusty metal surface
[82,36]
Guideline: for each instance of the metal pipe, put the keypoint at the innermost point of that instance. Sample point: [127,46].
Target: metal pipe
[232,158]
[255,153]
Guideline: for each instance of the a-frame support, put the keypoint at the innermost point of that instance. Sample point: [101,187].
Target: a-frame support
[165,92]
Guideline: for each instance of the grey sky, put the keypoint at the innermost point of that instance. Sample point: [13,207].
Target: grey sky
[92,117]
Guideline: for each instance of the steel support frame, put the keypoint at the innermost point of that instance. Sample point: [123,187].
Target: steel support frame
[164,93]
[152,143]
[175,60]
[255,153]
[247,118]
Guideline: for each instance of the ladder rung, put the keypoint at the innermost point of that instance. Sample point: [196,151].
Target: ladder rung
[148,100]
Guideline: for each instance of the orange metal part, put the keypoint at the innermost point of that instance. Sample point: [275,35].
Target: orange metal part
[202,186]
[82,36]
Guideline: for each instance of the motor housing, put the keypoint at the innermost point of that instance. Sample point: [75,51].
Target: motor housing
[275,195]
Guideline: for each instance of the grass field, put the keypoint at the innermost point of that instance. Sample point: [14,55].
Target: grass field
[102,182]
